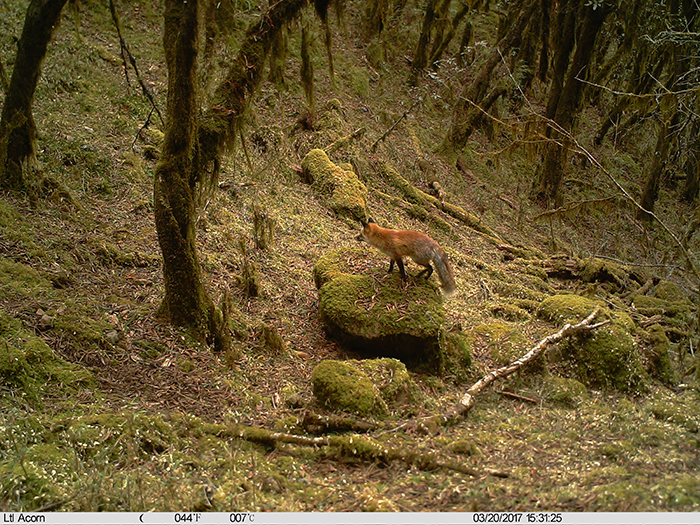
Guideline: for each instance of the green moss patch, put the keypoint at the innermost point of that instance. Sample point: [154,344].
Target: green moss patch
[668,301]
[396,387]
[684,414]
[657,357]
[457,356]
[30,367]
[341,188]
[563,391]
[604,271]
[345,387]
[504,344]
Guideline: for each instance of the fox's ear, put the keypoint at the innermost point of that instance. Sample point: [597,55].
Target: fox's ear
[370,220]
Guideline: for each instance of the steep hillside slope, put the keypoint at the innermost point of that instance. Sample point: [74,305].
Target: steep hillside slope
[105,408]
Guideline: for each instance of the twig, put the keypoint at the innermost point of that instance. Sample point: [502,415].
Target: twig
[513,395]
[637,95]
[145,125]
[386,133]
[566,209]
[124,48]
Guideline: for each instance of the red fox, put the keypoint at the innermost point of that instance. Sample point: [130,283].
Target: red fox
[408,243]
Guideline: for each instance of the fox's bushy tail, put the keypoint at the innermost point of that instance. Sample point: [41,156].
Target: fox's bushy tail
[444,271]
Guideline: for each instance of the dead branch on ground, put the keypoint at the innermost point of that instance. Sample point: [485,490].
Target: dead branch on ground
[469,398]
[358,447]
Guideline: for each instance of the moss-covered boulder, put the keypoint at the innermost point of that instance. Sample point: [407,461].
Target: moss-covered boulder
[604,271]
[457,356]
[377,314]
[343,192]
[605,358]
[668,301]
[343,386]
[396,387]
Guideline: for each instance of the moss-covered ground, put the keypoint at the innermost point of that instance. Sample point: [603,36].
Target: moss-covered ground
[104,408]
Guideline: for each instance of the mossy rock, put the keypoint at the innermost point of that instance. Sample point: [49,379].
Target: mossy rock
[508,312]
[380,316]
[668,291]
[342,386]
[344,193]
[603,271]
[657,356]
[606,358]
[566,308]
[393,381]
[335,263]
[564,391]
[669,301]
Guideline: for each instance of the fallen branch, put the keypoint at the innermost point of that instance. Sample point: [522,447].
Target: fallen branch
[469,398]
[354,446]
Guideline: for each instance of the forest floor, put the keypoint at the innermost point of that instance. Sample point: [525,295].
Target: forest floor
[143,418]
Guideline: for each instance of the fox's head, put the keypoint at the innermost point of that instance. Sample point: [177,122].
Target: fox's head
[364,232]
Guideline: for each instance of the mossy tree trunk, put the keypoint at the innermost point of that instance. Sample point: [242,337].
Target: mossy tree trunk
[564,98]
[192,152]
[691,188]
[17,127]
[655,169]
[420,55]
[186,302]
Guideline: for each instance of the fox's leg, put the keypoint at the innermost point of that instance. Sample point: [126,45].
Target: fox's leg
[399,263]
[391,266]
[428,269]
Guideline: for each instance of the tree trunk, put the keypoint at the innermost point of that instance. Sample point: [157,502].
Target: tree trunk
[186,302]
[650,193]
[447,34]
[473,94]
[563,104]
[192,151]
[564,45]
[691,188]
[420,56]
[17,126]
